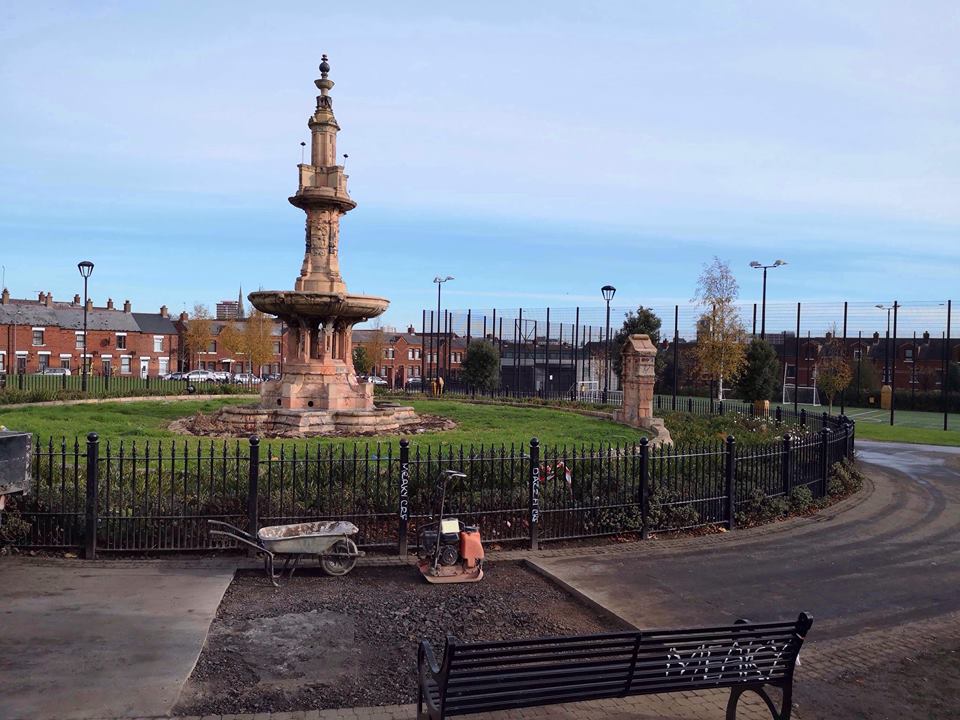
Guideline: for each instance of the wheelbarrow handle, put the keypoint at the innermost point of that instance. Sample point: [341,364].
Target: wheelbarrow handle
[239,538]
[233,529]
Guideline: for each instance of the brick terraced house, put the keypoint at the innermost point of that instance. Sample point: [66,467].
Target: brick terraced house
[45,333]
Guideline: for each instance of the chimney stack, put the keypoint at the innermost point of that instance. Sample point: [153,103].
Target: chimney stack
[109,303]
[164,313]
[183,316]
[76,299]
[876,337]
[126,306]
[48,301]
[5,297]
[89,304]
[926,336]
[42,297]
[411,330]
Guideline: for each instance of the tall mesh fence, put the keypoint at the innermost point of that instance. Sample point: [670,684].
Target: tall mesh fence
[910,347]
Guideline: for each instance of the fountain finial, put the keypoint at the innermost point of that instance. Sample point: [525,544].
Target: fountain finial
[324,83]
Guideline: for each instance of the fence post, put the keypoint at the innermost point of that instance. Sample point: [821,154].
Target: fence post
[690,405]
[534,492]
[403,495]
[93,499]
[730,472]
[720,406]
[803,417]
[785,468]
[824,460]
[253,486]
[644,487]
[779,415]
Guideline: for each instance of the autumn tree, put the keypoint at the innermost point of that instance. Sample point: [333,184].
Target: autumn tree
[258,339]
[199,330]
[833,373]
[375,344]
[720,351]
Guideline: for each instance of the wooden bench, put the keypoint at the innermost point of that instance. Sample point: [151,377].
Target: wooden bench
[487,676]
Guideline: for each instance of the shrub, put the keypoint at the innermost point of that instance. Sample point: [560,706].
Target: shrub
[761,377]
[801,499]
[668,512]
[757,508]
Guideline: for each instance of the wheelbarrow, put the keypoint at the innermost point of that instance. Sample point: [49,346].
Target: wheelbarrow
[328,540]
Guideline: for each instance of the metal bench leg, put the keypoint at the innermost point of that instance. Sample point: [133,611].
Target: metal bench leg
[782,714]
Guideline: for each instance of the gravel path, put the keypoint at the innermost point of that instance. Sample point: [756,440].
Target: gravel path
[320,642]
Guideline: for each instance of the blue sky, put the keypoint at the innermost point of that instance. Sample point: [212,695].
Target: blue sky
[536,150]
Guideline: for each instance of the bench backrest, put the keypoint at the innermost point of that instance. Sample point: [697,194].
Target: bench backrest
[523,673]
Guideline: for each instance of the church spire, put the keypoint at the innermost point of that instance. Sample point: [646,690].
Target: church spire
[241,312]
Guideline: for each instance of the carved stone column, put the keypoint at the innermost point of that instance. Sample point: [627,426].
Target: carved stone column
[638,377]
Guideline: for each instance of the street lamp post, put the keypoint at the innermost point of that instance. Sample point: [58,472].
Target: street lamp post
[86,269]
[763,311]
[886,345]
[439,281]
[608,292]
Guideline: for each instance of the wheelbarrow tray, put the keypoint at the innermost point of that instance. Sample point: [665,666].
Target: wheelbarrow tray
[312,538]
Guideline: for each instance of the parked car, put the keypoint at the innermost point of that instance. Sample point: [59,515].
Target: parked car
[376,380]
[55,371]
[413,383]
[172,376]
[246,379]
[271,376]
[199,376]
[222,376]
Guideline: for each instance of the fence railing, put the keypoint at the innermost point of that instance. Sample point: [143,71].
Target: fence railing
[17,386]
[158,496]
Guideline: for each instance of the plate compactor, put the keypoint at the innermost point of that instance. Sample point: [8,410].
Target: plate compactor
[450,552]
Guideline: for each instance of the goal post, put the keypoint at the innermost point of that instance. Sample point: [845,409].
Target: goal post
[802,394]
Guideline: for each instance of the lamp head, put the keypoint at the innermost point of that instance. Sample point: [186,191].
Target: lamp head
[85,267]
[608,292]
[439,279]
[778,263]
[755,264]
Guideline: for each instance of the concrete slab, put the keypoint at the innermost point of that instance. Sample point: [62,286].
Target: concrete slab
[115,639]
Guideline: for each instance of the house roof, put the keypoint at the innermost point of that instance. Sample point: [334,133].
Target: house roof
[70,317]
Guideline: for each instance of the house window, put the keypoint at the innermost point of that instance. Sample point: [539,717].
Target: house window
[158,343]
[65,363]
[3,364]
[276,347]
[37,337]
[121,341]
[43,362]
[389,353]
[80,344]
[791,371]
[383,371]
[212,346]
[107,366]
[857,354]
[908,355]
[125,365]
[410,354]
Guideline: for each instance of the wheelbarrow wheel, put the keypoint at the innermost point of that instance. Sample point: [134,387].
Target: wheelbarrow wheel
[338,563]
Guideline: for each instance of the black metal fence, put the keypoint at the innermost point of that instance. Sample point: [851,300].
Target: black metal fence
[157,496]
[23,387]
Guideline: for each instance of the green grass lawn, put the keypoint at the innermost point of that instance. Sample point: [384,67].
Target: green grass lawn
[476,423]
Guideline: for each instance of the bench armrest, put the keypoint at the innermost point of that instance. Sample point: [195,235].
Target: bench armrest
[429,671]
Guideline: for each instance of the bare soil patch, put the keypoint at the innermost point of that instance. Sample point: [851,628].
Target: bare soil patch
[203,425]
[321,642]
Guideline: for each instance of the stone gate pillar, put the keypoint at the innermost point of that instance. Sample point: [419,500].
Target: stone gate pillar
[637,379]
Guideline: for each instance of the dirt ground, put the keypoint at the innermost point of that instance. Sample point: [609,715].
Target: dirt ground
[321,642]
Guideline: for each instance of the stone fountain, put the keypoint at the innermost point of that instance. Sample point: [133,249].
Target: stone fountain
[319,393]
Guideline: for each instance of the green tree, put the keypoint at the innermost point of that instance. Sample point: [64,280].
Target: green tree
[481,366]
[361,361]
[642,322]
[761,374]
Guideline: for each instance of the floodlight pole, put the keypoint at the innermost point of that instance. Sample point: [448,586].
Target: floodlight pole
[763,305]
[608,292]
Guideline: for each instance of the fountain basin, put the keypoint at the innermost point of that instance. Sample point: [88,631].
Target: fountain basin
[292,303]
